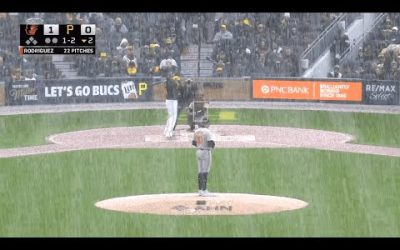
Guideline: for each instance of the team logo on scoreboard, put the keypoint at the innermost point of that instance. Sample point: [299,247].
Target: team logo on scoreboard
[31,29]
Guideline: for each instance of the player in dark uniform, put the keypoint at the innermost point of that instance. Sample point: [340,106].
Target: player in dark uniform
[169,70]
[197,110]
[187,91]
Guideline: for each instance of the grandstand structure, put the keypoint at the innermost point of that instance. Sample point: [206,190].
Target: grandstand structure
[215,44]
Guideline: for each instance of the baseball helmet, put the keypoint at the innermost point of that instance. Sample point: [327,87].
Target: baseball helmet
[204,122]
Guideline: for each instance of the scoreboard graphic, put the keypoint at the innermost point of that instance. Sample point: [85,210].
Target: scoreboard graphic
[61,39]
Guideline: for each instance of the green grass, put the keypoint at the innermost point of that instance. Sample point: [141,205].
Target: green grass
[28,130]
[375,129]
[54,195]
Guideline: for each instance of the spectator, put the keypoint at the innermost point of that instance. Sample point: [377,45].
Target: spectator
[118,26]
[260,34]
[150,64]
[168,66]
[16,74]
[36,19]
[101,42]
[263,56]
[223,34]
[71,18]
[4,70]
[220,64]
[122,49]
[172,48]
[395,36]
[30,75]
[335,73]
[116,69]
[130,62]
[394,70]
[349,72]
[379,72]
[246,63]
[344,42]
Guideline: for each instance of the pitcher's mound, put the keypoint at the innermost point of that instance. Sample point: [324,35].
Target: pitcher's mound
[193,204]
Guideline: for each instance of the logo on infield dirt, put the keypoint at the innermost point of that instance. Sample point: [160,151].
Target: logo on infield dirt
[201,206]
[265,89]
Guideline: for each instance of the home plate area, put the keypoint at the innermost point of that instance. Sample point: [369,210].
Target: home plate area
[183,135]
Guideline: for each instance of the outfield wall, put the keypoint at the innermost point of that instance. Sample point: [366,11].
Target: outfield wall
[108,90]
[99,90]
[307,90]
[381,92]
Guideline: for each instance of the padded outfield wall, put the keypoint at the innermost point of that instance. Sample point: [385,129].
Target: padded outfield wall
[108,90]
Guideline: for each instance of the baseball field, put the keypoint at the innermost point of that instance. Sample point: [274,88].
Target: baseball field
[348,194]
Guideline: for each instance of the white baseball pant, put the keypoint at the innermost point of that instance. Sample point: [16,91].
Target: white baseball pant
[172,108]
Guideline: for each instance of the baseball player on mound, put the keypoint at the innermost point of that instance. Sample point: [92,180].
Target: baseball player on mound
[204,143]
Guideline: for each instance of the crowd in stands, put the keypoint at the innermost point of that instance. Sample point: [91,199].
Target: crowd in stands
[265,44]
[13,66]
[135,43]
[244,44]
[379,55]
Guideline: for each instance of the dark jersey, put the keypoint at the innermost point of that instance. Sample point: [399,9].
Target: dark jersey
[172,91]
[187,94]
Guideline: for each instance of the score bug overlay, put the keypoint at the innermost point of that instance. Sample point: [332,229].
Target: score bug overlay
[57,39]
